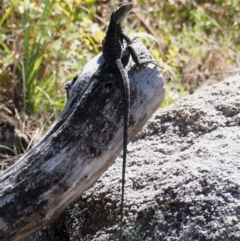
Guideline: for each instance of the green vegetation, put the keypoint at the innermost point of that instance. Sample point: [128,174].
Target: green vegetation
[43,44]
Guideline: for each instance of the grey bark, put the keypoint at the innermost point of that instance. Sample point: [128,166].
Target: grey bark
[182,178]
[82,144]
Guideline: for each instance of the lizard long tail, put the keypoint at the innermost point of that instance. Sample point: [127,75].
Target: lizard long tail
[124,85]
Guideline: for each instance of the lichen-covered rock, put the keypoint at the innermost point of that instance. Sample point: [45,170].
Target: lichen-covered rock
[182,177]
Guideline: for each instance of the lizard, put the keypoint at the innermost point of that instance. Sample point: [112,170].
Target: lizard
[116,58]
[112,54]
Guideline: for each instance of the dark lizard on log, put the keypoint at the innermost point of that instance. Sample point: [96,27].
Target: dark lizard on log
[116,58]
[112,53]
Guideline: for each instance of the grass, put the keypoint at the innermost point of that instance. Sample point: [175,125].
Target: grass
[43,44]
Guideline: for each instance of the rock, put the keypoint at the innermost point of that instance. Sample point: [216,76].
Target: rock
[182,177]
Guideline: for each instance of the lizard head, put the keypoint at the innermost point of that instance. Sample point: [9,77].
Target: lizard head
[121,12]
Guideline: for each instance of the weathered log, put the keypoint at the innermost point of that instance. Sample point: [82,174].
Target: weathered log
[80,146]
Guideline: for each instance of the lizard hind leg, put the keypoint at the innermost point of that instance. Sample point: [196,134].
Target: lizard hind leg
[139,61]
